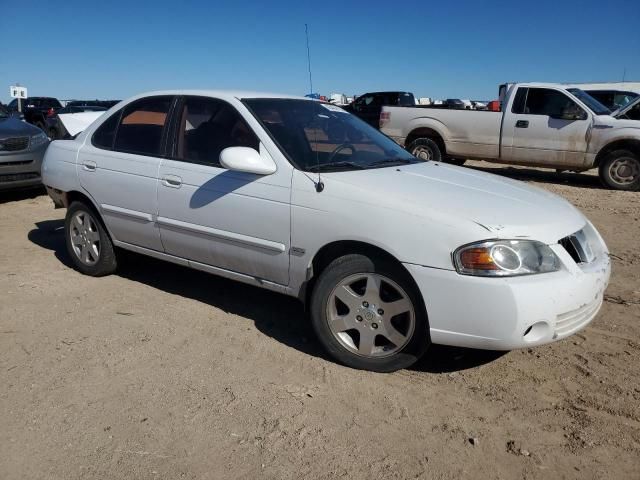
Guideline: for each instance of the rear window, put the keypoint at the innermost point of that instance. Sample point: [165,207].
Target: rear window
[142,125]
[406,99]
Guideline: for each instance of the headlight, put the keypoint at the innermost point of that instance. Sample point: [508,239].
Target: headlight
[500,258]
[39,139]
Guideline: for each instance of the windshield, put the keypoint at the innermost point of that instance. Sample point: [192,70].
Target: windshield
[594,105]
[317,136]
[3,112]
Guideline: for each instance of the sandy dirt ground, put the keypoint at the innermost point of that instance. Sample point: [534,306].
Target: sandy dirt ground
[160,372]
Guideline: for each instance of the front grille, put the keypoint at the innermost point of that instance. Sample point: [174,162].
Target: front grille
[17,177]
[16,163]
[14,144]
[578,248]
[568,322]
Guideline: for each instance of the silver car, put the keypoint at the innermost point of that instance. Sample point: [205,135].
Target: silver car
[22,147]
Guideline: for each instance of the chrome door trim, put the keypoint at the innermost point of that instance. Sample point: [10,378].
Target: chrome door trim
[228,236]
[147,217]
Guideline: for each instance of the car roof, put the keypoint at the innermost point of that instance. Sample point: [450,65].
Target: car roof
[222,94]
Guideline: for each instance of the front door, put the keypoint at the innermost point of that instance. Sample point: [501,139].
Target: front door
[232,220]
[119,167]
[532,136]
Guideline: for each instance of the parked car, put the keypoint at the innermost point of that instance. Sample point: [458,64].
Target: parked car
[368,106]
[302,198]
[630,111]
[35,110]
[106,104]
[612,95]
[613,99]
[55,128]
[541,125]
[22,147]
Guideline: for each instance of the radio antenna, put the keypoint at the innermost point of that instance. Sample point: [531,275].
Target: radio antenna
[319,184]
[306,32]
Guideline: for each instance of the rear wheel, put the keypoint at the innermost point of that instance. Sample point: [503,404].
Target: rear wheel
[620,170]
[425,149]
[368,315]
[88,242]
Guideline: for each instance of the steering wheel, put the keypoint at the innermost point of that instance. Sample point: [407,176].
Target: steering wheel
[339,148]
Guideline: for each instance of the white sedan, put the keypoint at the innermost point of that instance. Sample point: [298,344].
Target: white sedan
[388,252]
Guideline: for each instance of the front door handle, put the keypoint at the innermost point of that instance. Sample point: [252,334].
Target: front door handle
[522,123]
[172,181]
[89,166]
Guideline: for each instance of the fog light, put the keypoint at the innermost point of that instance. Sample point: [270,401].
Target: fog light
[537,332]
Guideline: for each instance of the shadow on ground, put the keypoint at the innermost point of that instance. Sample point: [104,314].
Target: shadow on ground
[278,316]
[543,176]
[22,194]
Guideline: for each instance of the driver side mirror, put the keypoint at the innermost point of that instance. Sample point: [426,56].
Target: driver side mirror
[245,159]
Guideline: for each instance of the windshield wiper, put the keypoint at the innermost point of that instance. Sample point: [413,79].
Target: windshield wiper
[391,162]
[335,166]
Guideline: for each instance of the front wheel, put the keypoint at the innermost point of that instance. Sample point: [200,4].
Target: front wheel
[620,170]
[88,242]
[368,314]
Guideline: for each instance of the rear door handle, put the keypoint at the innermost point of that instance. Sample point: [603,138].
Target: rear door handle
[522,123]
[172,181]
[89,166]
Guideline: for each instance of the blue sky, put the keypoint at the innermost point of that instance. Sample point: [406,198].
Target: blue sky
[464,49]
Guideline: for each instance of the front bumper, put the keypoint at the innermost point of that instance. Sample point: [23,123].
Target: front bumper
[21,169]
[516,312]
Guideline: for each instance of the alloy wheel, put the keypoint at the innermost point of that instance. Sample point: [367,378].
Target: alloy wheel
[85,238]
[370,315]
[624,170]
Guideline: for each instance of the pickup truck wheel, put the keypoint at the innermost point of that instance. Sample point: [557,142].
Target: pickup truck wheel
[620,170]
[368,315]
[88,242]
[425,149]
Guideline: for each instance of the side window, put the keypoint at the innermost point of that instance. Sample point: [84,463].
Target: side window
[142,124]
[544,101]
[106,133]
[206,127]
[518,102]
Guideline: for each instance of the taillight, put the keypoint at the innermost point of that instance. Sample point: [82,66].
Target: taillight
[384,118]
[50,112]
[494,106]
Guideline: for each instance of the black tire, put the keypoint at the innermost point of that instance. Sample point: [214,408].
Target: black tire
[620,170]
[105,262]
[354,264]
[425,149]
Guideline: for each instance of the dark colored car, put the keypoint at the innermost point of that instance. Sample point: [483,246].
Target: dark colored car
[22,147]
[36,109]
[613,99]
[107,104]
[55,128]
[369,106]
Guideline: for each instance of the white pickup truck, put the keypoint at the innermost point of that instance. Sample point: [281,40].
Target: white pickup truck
[541,125]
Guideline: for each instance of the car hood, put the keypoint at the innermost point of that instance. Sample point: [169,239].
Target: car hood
[13,126]
[490,205]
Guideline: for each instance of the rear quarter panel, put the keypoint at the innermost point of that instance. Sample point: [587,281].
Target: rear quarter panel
[59,165]
[466,133]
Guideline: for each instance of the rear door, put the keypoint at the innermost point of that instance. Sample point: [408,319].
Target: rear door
[533,135]
[232,220]
[118,167]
